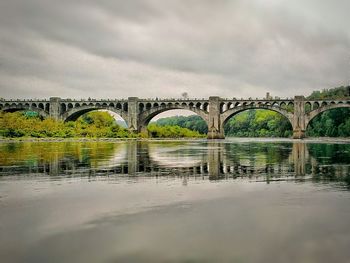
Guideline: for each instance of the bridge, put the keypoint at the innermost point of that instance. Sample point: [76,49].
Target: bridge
[215,111]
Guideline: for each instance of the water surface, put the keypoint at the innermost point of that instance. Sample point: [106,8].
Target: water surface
[175,201]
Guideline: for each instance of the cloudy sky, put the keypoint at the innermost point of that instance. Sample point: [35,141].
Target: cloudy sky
[149,48]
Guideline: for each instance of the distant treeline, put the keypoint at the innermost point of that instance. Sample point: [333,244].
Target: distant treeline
[250,123]
[193,122]
[335,93]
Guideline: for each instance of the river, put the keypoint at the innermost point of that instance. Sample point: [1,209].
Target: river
[236,200]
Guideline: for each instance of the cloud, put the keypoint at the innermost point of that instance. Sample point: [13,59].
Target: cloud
[150,48]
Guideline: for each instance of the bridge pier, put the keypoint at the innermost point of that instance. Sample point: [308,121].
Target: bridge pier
[214,161]
[299,156]
[55,111]
[298,124]
[132,158]
[215,131]
[298,134]
[132,114]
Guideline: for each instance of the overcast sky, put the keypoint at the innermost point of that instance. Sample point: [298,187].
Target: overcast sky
[161,48]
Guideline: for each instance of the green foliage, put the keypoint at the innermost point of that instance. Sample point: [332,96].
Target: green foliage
[99,119]
[332,123]
[157,131]
[335,93]
[193,122]
[93,125]
[258,123]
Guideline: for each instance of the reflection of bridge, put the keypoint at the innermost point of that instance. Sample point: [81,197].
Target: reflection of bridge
[215,111]
[213,160]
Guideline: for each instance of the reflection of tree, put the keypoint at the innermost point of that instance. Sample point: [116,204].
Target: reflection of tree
[214,160]
[331,162]
[170,154]
[46,152]
[257,154]
[326,153]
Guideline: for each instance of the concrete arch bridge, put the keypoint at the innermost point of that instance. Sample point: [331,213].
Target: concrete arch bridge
[215,111]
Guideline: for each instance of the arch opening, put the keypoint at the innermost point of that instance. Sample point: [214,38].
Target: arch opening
[102,117]
[125,106]
[141,107]
[307,107]
[206,106]
[175,123]
[316,105]
[330,122]
[257,123]
[72,114]
[63,107]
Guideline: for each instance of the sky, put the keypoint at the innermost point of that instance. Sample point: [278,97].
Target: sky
[162,48]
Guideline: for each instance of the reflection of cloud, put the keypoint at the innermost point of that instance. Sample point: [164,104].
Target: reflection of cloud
[117,158]
[175,156]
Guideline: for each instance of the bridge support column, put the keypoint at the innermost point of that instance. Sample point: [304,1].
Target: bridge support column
[215,131]
[132,158]
[299,118]
[55,108]
[132,114]
[300,154]
[214,161]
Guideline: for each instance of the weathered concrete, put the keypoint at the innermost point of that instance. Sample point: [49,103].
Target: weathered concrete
[132,114]
[215,130]
[55,112]
[215,111]
[299,156]
[298,124]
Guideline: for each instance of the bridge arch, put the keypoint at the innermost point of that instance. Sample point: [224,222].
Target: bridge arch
[228,114]
[72,114]
[324,107]
[146,116]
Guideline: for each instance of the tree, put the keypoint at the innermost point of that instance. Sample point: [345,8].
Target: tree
[184,95]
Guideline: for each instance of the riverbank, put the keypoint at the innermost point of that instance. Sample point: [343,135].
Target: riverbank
[33,139]
[240,139]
